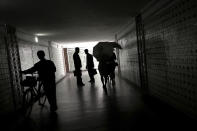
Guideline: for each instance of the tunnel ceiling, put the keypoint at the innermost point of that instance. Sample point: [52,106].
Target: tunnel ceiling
[70,20]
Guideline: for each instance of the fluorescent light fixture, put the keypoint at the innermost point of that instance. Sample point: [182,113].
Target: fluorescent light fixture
[42,34]
[36,39]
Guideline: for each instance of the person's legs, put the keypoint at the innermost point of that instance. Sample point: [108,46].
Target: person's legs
[90,72]
[112,74]
[113,78]
[53,97]
[50,90]
[92,78]
[79,79]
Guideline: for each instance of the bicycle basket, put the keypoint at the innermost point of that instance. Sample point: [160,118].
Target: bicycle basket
[30,81]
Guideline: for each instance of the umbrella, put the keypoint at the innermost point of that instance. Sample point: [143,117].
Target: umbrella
[104,50]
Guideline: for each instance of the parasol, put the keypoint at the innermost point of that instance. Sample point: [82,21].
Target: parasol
[104,50]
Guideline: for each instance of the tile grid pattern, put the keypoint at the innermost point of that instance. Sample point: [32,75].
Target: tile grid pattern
[128,56]
[9,69]
[172,54]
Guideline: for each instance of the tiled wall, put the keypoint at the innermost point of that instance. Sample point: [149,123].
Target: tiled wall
[57,57]
[171,50]
[14,64]
[36,48]
[28,49]
[6,100]
[28,53]
[128,55]
[18,51]
[10,90]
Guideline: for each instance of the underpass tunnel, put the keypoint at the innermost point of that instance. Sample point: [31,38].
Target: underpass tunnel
[155,88]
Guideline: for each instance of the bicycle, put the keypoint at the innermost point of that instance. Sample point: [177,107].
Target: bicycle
[32,92]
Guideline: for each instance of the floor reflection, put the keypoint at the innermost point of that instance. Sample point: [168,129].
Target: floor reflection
[94,108]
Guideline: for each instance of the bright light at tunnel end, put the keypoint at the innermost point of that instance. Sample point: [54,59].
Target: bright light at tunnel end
[88,44]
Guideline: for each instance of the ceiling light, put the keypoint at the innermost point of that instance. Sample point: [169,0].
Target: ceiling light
[42,34]
[36,39]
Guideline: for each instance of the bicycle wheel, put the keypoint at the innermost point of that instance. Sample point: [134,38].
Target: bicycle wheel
[27,103]
[42,96]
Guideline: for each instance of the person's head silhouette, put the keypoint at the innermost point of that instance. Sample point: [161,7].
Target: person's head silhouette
[77,49]
[86,51]
[41,54]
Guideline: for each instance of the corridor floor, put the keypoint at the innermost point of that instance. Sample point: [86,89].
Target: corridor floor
[91,108]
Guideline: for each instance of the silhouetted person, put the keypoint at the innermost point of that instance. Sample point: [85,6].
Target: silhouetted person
[46,71]
[89,65]
[112,65]
[77,63]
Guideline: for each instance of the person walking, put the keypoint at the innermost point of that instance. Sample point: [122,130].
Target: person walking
[112,64]
[77,64]
[89,65]
[46,70]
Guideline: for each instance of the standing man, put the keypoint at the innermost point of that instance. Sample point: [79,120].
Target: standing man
[46,70]
[77,63]
[89,65]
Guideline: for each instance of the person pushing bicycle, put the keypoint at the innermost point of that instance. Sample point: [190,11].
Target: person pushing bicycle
[46,70]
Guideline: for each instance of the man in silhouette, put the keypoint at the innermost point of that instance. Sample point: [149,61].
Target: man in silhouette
[77,63]
[46,70]
[89,65]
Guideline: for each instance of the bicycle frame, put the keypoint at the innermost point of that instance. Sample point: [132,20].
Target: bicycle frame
[32,92]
